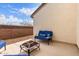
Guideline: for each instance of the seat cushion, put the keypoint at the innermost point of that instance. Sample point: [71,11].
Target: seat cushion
[16,55]
[2,43]
[41,38]
[43,35]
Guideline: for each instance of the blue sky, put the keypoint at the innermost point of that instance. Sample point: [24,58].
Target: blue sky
[17,13]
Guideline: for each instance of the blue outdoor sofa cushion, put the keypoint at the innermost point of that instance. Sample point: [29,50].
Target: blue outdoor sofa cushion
[42,38]
[2,43]
[16,55]
[44,35]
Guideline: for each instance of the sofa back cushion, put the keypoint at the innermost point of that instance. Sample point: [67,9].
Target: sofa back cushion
[45,33]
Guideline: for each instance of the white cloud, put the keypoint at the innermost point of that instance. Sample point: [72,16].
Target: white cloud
[27,11]
[2,19]
[12,20]
[12,8]
[24,10]
[28,22]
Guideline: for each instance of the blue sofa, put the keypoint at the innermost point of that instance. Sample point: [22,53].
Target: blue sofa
[44,35]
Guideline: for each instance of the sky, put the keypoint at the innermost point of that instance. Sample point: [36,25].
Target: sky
[17,13]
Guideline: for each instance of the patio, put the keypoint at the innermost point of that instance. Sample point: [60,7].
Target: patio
[54,49]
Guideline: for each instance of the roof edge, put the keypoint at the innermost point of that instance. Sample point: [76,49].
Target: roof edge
[37,9]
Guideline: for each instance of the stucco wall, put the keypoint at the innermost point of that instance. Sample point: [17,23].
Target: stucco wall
[59,18]
[77,24]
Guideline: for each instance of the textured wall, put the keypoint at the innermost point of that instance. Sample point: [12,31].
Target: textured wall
[59,18]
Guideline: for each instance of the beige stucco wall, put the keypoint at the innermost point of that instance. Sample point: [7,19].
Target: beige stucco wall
[77,24]
[60,18]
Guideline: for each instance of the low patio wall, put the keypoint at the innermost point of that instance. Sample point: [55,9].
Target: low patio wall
[14,31]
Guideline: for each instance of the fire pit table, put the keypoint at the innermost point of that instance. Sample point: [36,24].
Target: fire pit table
[29,46]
